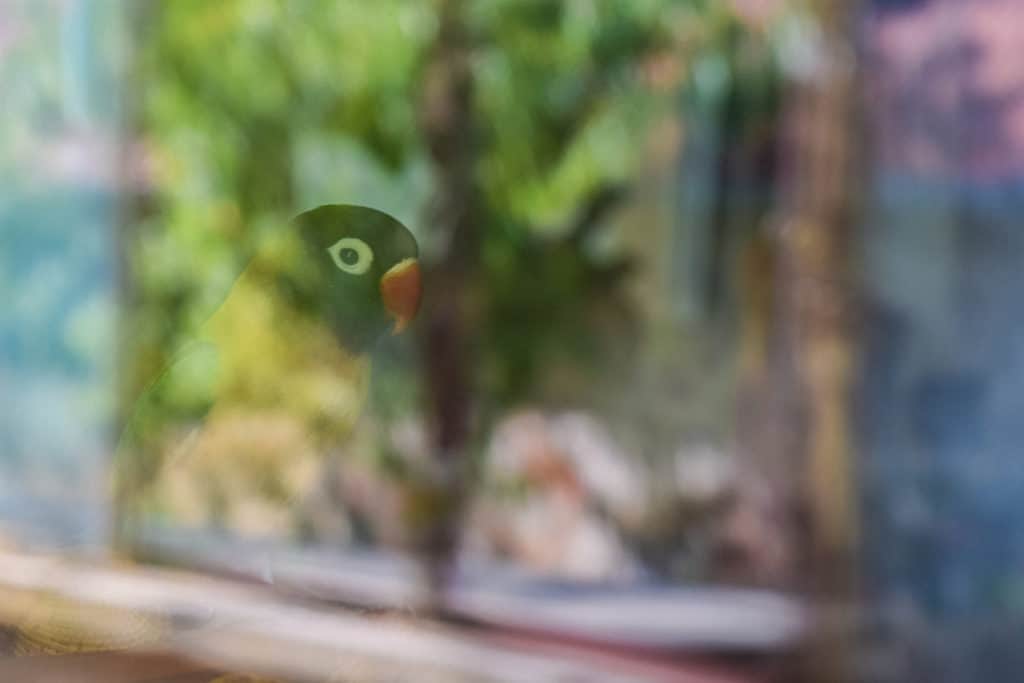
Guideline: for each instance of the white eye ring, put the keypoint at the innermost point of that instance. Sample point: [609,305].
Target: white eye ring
[364,255]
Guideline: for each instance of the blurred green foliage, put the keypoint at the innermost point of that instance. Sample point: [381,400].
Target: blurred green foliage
[252,110]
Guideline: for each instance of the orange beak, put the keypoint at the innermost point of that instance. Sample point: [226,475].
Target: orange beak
[400,288]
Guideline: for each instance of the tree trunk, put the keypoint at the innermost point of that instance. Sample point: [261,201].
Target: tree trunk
[795,412]
[447,123]
[818,301]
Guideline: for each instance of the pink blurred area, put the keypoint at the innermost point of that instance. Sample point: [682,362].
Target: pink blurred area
[947,87]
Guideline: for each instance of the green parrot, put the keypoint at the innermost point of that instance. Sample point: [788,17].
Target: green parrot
[279,370]
[272,379]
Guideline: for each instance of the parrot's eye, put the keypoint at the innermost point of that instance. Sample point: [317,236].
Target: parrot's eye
[351,255]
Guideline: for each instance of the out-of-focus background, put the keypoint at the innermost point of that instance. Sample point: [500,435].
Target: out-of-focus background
[715,376]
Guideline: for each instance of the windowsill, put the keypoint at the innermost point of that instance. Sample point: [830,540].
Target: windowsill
[523,630]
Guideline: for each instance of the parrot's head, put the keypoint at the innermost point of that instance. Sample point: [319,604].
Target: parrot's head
[363,276]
